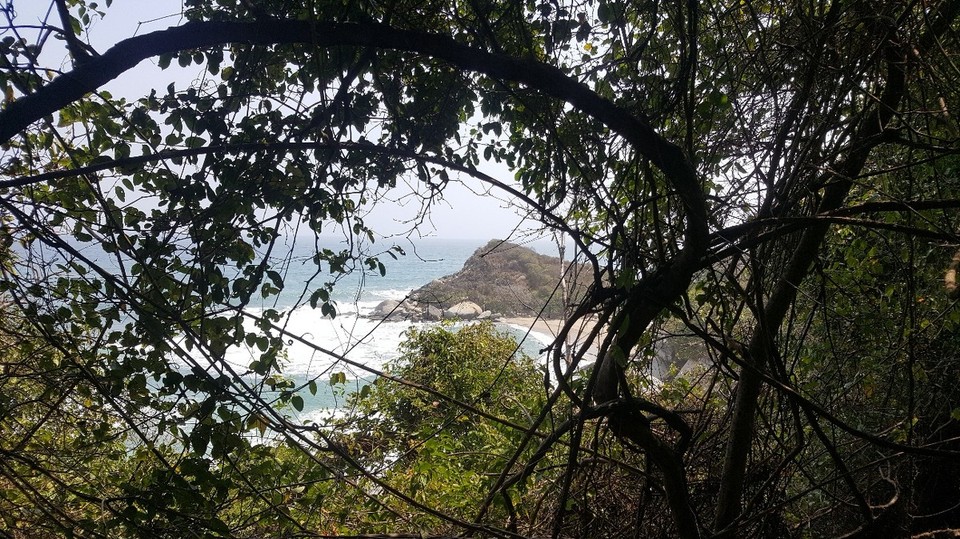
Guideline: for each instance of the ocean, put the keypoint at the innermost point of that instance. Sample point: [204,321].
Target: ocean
[365,341]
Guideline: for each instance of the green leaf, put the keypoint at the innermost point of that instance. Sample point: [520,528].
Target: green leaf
[297,402]
[493,126]
[194,142]
[319,295]
[275,278]
[200,438]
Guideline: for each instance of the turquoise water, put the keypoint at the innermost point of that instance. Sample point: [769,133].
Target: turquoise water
[317,345]
[366,342]
[422,262]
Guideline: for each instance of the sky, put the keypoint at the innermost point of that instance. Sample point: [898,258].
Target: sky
[466,211]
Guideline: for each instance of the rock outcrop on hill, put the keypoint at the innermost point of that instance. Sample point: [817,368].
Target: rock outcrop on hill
[502,278]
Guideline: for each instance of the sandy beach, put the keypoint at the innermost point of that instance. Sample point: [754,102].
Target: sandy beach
[547,330]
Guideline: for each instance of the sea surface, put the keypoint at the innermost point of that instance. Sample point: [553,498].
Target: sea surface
[351,345]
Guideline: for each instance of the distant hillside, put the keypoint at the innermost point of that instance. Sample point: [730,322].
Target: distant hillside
[501,277]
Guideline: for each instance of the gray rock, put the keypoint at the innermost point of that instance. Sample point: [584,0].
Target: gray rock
[432,313]
[464,309]
[387,307]
[484,315]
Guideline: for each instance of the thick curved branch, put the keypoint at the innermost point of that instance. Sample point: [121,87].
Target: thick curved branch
[90,76]
[667,156]
[93,74]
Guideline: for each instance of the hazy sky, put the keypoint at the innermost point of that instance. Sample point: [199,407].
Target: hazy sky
[464,211]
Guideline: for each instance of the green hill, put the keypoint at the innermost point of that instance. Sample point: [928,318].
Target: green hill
[503,278]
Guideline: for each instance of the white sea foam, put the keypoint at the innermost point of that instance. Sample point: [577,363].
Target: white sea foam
[351,334]
[317,345]
[390,293]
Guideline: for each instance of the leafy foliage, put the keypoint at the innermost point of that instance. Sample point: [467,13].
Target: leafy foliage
[473,365]
[447,445]
[772,181]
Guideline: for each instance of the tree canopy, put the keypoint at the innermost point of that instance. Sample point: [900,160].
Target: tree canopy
[770,187]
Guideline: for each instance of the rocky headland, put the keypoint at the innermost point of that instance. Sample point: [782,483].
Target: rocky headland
[500,279]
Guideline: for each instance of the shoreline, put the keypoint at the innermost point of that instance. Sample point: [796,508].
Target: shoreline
[546,330]
[548,326]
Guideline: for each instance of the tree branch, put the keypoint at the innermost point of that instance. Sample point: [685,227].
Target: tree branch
[74,45]
[126,54]
[874,121]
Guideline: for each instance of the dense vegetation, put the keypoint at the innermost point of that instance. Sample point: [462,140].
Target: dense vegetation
[772,183]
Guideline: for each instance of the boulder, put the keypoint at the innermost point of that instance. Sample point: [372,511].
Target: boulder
[432,313]
[464,309]
[385,308]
